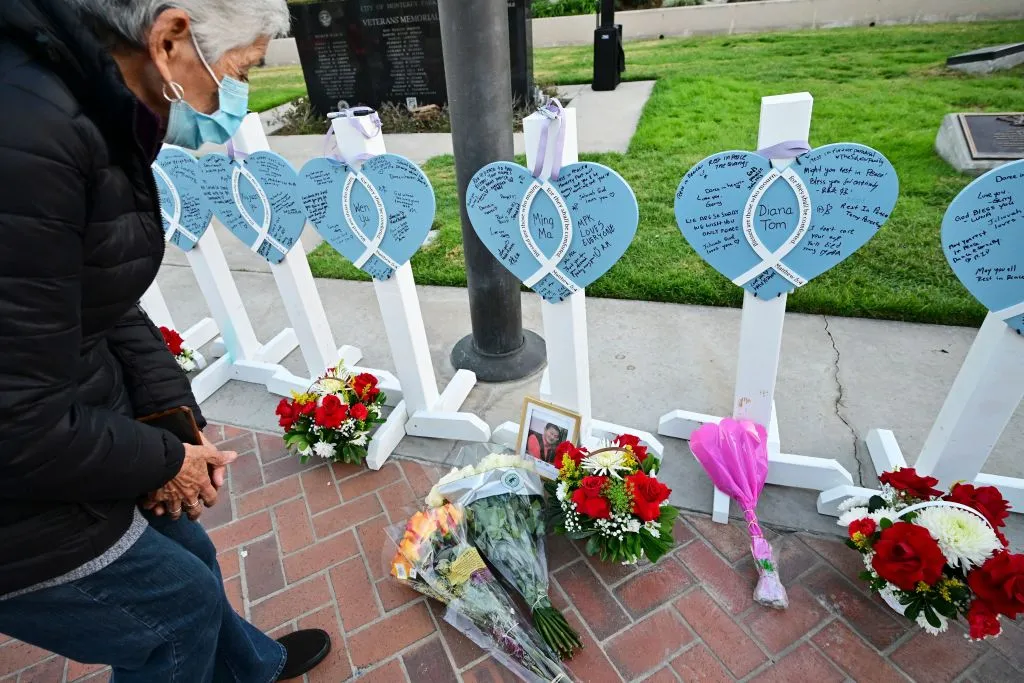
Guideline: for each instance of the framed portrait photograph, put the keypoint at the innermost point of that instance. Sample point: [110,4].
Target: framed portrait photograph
[543,426]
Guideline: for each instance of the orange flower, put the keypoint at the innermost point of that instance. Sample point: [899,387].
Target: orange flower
[401,568]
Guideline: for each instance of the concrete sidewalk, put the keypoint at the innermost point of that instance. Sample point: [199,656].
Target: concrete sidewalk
[839,377]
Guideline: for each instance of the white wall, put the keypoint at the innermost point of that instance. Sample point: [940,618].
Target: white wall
[745,17]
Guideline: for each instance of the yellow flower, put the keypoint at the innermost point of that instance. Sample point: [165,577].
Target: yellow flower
[922,587]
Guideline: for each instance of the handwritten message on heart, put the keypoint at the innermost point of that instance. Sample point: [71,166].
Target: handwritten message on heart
[771,231]
[983,238]
[377,217]
[557,236]
[185,212]
[257,199]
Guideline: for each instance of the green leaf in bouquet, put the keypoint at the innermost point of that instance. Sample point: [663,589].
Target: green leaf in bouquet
[913,609]
[875,503]
[866,576]
[944,608]
[885,523]
[931,617]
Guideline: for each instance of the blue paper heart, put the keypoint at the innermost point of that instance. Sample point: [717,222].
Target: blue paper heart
[599,203]
[402,190]
[850,190]
[185,212]
[983,238]
[275,188]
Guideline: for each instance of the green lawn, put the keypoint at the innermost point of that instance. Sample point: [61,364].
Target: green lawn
[883,87]
[276,85]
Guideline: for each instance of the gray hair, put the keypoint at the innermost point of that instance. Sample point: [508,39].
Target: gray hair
[219,25]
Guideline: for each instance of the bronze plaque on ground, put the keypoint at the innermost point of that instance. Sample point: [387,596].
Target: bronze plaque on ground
[994,136]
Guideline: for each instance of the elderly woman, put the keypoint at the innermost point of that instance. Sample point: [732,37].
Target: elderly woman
[89,89]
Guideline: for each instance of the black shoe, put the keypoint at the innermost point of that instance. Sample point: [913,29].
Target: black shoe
[306,649]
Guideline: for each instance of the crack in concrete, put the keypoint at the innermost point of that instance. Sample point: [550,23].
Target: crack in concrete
[839,403]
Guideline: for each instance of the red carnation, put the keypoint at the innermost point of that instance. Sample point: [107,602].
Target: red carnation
[906,555]
[331,412]
[173,340]
[1000,583]
[866,526]
[359,412]
[983,621]
[985,499]
[648,495]
[567,449]
[623,440]
[908,481]
[286,413]
[365,387]
[589,500]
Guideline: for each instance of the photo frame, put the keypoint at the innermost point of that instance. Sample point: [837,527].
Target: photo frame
[543,426]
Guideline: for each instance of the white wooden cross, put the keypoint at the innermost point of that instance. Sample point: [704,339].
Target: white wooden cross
[423,410]
[984,396]
[566,381]
[783,117]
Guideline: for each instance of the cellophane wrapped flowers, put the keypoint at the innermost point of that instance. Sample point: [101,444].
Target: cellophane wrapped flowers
[936,556]
[613,499]
[503,498]
[333,418]
[435,558]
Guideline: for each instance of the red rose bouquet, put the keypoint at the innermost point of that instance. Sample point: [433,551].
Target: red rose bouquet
[334,418]
[188,359]
[934,557]
[613,499]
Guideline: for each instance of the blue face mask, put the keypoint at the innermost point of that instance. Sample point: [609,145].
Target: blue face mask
[189,128]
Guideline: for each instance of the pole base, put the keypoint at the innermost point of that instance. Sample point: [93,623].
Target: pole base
[528,359]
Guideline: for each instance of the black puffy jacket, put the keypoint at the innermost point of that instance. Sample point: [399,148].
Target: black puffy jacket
[80,242]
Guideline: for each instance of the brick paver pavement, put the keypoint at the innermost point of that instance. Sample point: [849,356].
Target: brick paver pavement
[302,546]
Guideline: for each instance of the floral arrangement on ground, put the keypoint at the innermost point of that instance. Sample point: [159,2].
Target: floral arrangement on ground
[936,556]
[185,356]
[612,498]
[334,417]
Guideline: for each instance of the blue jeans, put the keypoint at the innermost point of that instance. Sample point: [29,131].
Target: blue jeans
[158,614]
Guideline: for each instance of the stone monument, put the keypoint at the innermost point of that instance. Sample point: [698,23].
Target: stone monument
[368,52]
[988,59]
[975,143]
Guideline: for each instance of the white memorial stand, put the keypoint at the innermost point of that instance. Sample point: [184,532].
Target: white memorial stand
[197,335]
[566,381]
[783,118]
[984,396]
[423,411]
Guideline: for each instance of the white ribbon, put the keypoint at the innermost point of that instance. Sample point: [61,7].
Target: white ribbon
[548,266]
[1010,312]
[173,219]
[372,246]
[774,259]
[262,231]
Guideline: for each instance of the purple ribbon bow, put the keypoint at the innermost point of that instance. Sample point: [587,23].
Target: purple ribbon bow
[787,149]
[352,115]
[554,115]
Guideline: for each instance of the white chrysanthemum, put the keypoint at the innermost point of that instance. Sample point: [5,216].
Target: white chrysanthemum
[562,490]
[605,464]
[853,514]
[922,621]
[185,362]
[362,439]
[633,526]
[308,450]
[330,385]
[853,502]
[653,528]
[324,449]
[966,539]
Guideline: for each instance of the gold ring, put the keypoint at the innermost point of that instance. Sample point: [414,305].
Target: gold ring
[192,506]
[175,512]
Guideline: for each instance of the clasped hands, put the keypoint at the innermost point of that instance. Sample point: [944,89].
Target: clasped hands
[196,484]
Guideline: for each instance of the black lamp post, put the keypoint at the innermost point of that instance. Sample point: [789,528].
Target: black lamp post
[474,38]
